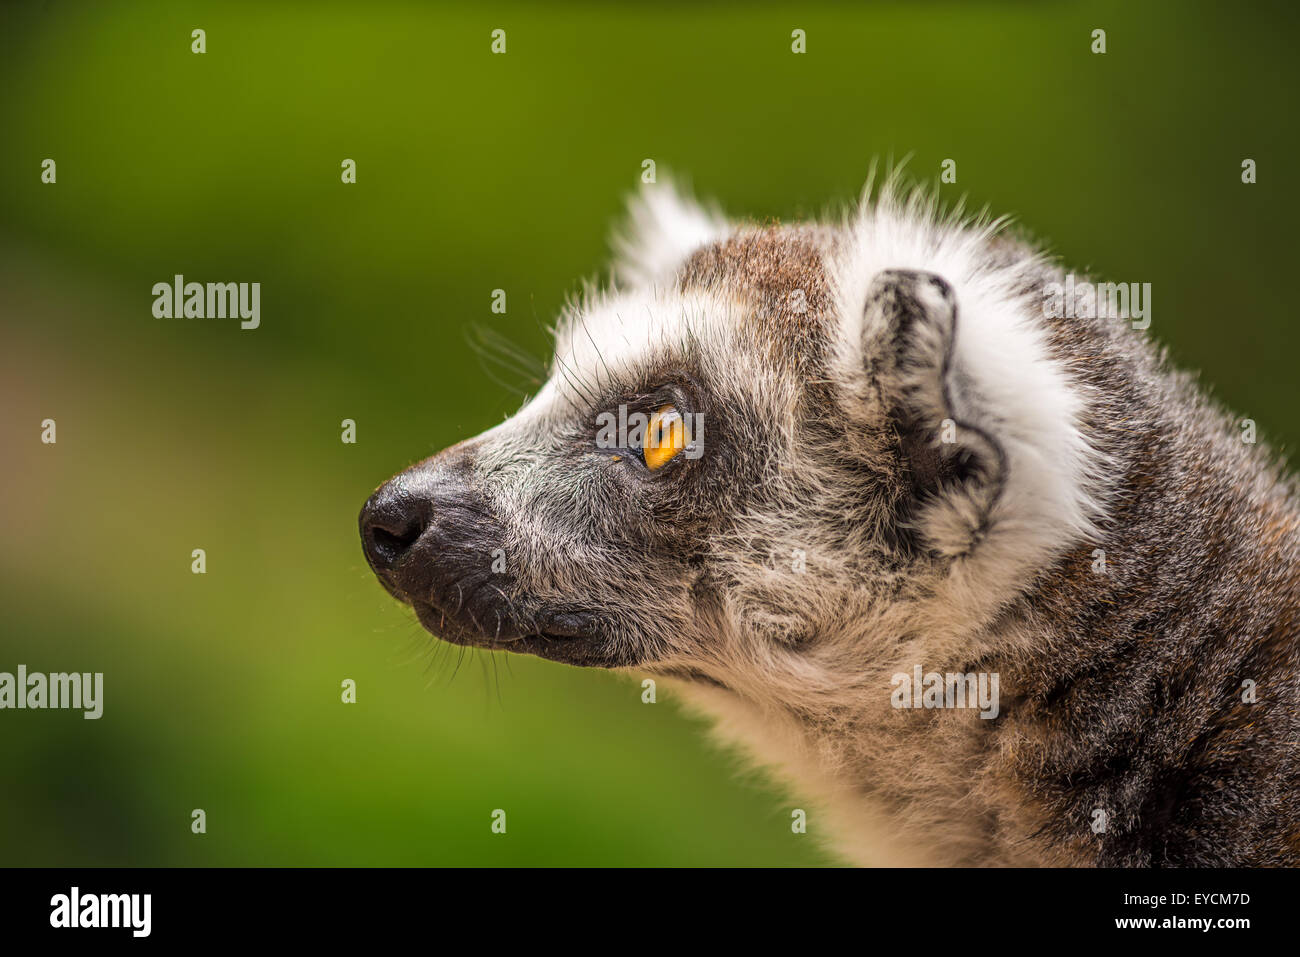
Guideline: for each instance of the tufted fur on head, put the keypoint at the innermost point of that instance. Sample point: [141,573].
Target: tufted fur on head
[906,467]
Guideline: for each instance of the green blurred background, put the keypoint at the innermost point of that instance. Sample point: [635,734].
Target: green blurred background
[477,172]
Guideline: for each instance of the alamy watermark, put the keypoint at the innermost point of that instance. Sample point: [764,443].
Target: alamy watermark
[83,691]
[129,911]
[1102,300]
[923,689]
[179,299]
[633,430]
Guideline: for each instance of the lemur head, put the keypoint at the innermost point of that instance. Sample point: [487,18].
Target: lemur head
[768,455]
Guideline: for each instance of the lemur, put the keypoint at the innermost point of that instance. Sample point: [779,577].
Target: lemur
[903,462]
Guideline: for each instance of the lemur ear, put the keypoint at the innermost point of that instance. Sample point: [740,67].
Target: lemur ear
[663,226]
[957,468]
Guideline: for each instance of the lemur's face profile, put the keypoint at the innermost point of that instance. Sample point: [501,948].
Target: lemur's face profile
[835,479]
[760,448]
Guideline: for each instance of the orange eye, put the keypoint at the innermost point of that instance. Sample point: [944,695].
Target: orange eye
[664,437]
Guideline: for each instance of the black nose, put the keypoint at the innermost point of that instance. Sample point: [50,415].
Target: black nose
[392,521]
